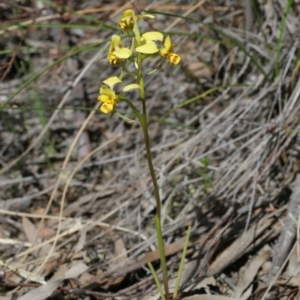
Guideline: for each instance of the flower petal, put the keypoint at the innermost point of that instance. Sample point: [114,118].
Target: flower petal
[113,60]
[148,48]
[106,108]
[122,53]
[174,59]
[153,36]
[133,86]
[105,99]
[164,52]
[168,43]
[128,13]
[115,41]
[104,90]
[111,81]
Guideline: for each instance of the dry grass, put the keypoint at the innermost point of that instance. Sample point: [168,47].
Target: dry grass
[77,203]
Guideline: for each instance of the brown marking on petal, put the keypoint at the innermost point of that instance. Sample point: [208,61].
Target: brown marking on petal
[122,25]
[113,60]
[174,59]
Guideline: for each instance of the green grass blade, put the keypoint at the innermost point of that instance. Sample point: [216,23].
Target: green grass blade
[279,42]
[37,75]
[155,277]
[218,30]
[191,100]
[186,243]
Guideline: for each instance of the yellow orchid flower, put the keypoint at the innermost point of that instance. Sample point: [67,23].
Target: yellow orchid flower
[108,96]
[109,99]
[127,19]
[168,53]
[148,39]
[117,51]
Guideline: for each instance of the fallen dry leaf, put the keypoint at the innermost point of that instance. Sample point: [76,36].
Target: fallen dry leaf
[16,274]
[46,233]
[247,293]
[42,292]
[29,230]
[249,272]
[64,272]
[120,255]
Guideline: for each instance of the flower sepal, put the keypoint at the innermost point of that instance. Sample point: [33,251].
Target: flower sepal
[111,81]
[130,87]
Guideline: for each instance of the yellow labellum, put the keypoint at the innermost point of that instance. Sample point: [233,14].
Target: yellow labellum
[106,108]
[174,59]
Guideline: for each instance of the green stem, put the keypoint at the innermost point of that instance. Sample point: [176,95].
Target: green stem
[150,165]
[162,254]
[144,123]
